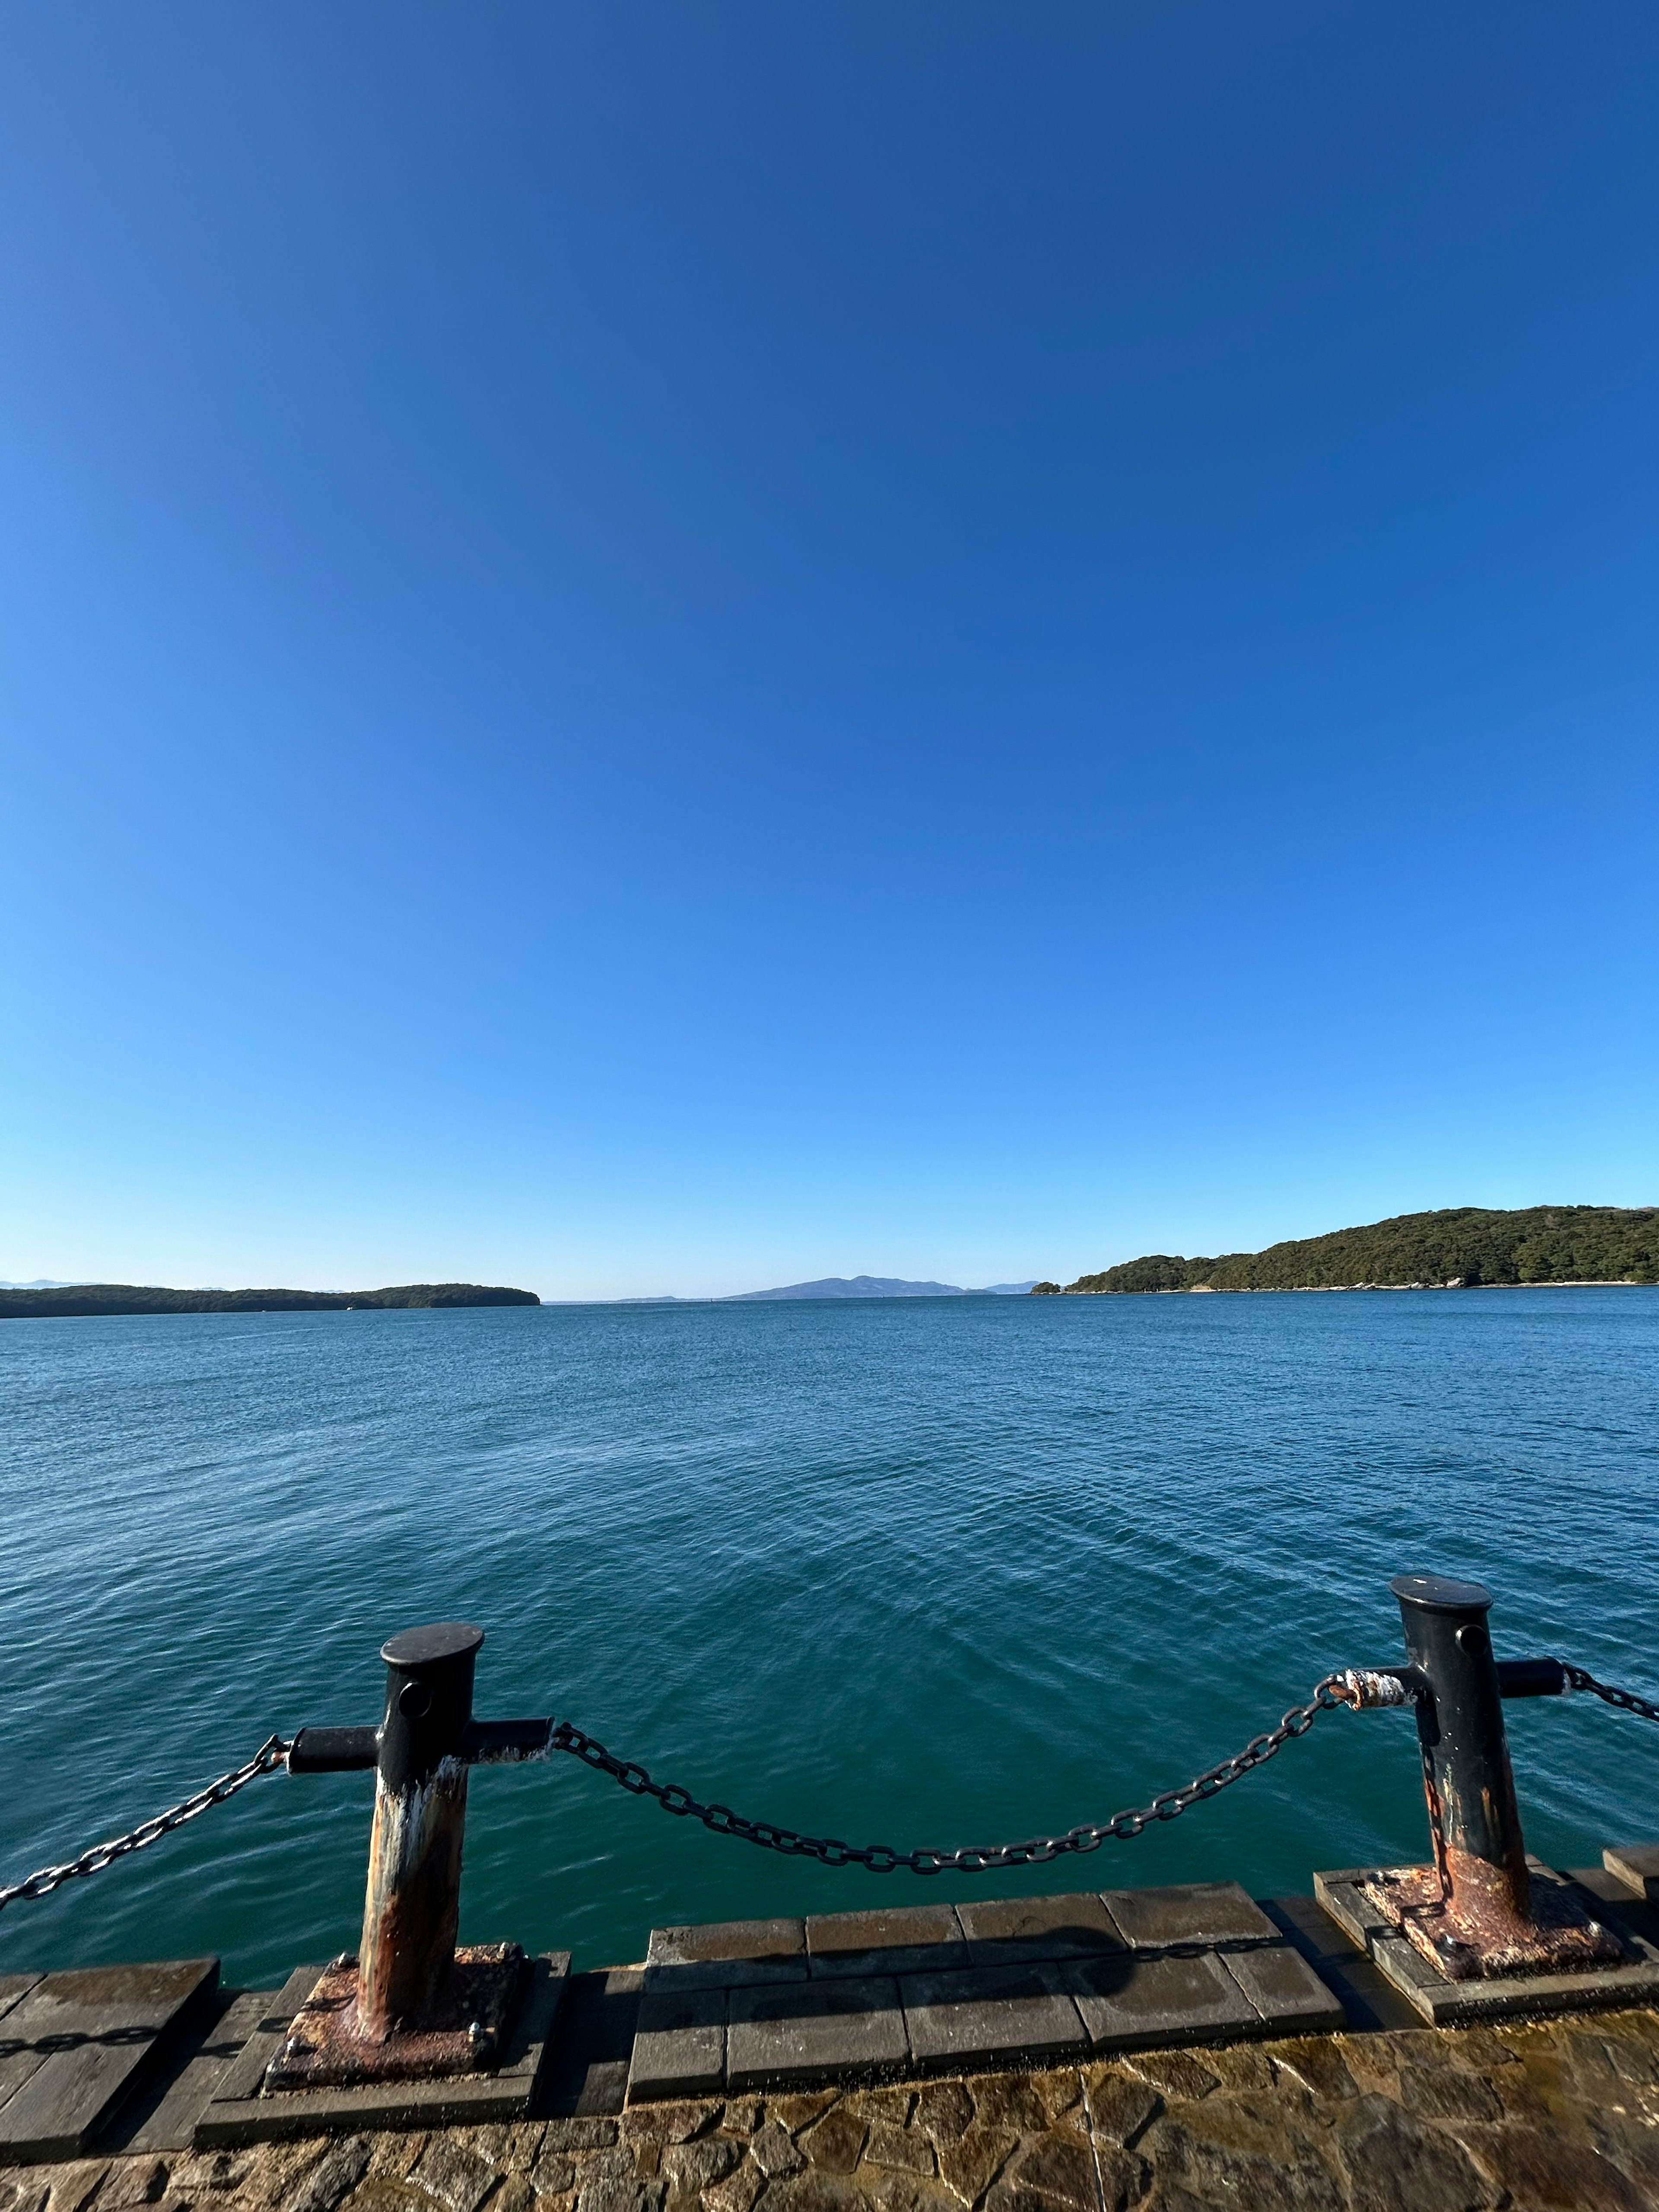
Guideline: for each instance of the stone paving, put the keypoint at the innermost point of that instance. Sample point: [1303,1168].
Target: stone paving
[1516,2117]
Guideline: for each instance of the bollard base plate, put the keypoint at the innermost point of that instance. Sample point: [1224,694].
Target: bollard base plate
[1475,1935]
[240,2111]
[326,2046]
[1350,1898]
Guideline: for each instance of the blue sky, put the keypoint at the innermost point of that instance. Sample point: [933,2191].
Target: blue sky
[661,649]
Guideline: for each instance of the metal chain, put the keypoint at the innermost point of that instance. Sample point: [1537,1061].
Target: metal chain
[267,1760]
[1626,1700]
[881,1859]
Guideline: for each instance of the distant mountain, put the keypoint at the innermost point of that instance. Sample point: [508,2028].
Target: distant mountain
[879,1287]
[80,1300]
[1459,1247]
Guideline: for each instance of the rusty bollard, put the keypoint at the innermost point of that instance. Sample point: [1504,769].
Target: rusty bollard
[411,2005]
[1474,1911]
[412,1909]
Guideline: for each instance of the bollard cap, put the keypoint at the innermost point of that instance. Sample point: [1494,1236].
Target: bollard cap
[429,1647]
[1441,1594]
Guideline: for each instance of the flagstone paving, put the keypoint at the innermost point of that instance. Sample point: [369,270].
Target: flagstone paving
[1553,2116]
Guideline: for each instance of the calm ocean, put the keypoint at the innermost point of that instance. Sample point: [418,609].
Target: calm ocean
[930,1571]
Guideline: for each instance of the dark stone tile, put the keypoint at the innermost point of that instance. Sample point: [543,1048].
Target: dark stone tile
[1370,2000]
[907,1940]
[679,2046]
[1125,2000]
[594,2041]
[726,1954]
[1284,1990]
[1006,1930]
[991,2016]
[799,2035]
[1190,1912]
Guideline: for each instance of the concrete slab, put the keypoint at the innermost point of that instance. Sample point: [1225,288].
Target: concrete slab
[1286,1991]
[1637,1865]
[679,2046]
[1130,2002]
[1205,1912]
[1008,1930]
[162,2115]
[726,1954]
[991,2017]
[79,2044]
[586,2076]
[911,1939]
[240,2111]
[1370,2003]
[1461,2004]
[839,2029]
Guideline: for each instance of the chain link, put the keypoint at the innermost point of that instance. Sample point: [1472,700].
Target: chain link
[1626,1700]
[974,1858]
[267,1760]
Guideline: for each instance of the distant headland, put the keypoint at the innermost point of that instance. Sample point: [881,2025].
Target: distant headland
[66,1301]
[1459,1247]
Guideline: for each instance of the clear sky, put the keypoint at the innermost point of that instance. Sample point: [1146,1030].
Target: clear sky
[650,647]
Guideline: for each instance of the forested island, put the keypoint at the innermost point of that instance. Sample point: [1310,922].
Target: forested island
[68,1300]
[1459,1247]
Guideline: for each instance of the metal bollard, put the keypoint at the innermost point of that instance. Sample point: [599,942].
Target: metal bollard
[1476,1911]
[411,2005]
[1466,1760]
[412,1907]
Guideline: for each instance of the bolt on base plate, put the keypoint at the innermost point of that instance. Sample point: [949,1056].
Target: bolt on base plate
[1475,1934]
[327,2047]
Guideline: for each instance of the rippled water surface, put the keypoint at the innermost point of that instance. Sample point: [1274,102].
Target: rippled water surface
[918,1571]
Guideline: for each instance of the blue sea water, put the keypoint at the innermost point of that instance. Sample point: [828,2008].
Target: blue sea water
[920,1571]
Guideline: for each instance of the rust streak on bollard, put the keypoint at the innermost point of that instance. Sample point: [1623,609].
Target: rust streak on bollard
[412,1907]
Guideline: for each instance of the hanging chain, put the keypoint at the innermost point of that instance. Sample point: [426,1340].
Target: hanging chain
[267,1760]
[974,1858]
[1626,1700]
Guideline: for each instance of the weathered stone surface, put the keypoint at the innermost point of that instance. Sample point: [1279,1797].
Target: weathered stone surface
[336,2174]
[1007,2101]
[1447,2092]
[794,2108]
[907,1940]
[1120,2109]
[1177,2073]
[1188,1913]
[945,2109]
[1395,2166]
[907,2149]
[812,2031]
[609,2182]
[455,2174]
[1011,1929]
[1239,2165]
[837,2140]
[688,2169]
[1059,2168]
[579,2134]
[1543,2171]
[991,2016]
[670,2122]
[679,2046]
[971,2161]
[738,2192]
[1133,1999]
[773,2151]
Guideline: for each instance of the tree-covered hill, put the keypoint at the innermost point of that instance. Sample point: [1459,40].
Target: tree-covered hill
[1463,1246]
[71,1299]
